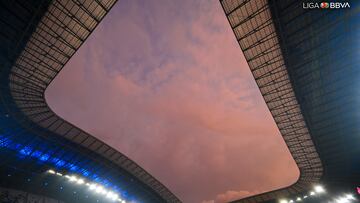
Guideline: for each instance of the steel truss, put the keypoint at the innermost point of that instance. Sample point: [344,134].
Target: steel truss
[255,32]
[59,34]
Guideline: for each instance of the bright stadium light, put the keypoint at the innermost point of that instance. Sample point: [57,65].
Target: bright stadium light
[99,189]
[92,186]
[73,179]
[283,201]
[350,196]
[80,181]
[51,171]
[112,196]
[298,199]
[319,189]
[342,200]
[312,193]
[305,196]
[291,201]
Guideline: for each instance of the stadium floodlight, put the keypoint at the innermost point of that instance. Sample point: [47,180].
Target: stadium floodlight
[80,181]
[312,193]
[97,188]
[112,196]
[298,199]
[73,179]
[350,196]
[305,196]
[342,200]
[100,189]
[283,201]
[92,186]
[51,171]
[115,197]
[319,189]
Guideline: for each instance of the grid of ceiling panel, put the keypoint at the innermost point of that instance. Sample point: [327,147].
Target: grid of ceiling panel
[61,31]
[255,32]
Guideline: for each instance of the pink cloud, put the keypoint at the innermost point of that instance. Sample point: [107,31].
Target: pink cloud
[166,84]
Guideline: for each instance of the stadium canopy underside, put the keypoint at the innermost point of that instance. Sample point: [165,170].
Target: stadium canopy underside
[306,64]
[37,38]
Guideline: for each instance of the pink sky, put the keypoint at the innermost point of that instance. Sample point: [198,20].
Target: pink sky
[166,83]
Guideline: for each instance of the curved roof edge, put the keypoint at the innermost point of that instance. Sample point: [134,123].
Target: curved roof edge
[59,34]
[254,29]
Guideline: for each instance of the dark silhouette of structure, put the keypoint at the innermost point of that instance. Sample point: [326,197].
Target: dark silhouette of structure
[305,63]
[37,38]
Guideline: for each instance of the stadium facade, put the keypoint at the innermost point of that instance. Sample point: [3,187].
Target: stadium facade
[41,154]
[306,64]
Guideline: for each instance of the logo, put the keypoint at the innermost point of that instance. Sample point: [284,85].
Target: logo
[326,5]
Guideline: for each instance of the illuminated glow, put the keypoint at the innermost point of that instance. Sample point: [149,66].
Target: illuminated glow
[99,189]
[283,201]
[112,196]
[312,193]
[298,199]
[73,179]
[305,196]
[342,200]
[319,189]
[92,186]
[80,181]
[291,201]
[345,199]
[350,196]
[46,156]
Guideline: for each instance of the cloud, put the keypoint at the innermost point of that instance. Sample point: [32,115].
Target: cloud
[165,83]
[231,196]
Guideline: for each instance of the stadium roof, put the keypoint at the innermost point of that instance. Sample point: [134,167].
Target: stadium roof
[37,39]
[306,65]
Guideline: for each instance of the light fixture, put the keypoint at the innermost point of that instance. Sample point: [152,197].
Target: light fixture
[283,201]
[319,189]
[99,189]
[350,196]
[80,181]
[298,199]
[342,200]
[73,178]
[312,193]
[92,186]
